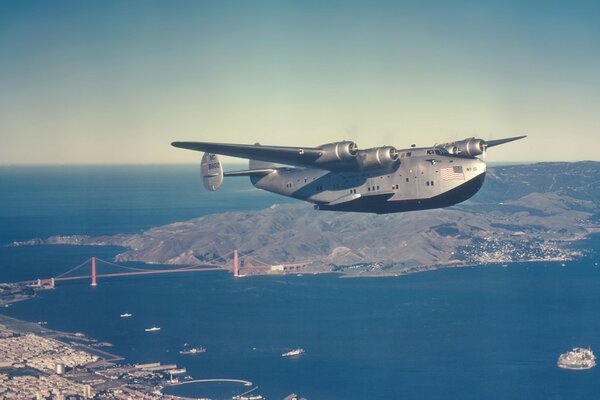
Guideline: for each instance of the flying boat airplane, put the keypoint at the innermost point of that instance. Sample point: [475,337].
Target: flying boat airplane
[340,177]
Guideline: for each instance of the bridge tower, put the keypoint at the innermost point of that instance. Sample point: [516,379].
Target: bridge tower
[94,283]
[236,264]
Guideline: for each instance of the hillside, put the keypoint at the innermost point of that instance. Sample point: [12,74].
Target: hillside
[524,212]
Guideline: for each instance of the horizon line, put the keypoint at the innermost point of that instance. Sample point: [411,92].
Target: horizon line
[118,164]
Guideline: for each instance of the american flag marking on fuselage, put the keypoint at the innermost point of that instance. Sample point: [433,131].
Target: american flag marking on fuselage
[452,173]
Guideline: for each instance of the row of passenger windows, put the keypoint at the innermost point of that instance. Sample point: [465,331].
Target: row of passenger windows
[373,188]
[376,187]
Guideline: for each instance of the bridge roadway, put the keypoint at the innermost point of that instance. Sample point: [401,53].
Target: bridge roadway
[149,272]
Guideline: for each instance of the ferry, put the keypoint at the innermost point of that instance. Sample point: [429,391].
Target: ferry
[295,352]
[125,315]
[193,350]
[153,329]
[578,358]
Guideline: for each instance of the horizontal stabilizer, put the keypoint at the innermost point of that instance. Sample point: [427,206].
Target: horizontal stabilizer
[257,171]
[250,172]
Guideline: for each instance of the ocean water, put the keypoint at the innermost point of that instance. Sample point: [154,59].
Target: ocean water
[471,333]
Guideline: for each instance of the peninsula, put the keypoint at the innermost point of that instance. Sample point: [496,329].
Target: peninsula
[533,212]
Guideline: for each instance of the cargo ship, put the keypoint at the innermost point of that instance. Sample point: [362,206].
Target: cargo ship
[193,350]
[578,358]
[295,352]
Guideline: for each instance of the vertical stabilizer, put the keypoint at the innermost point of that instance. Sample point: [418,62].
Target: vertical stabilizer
[211,171]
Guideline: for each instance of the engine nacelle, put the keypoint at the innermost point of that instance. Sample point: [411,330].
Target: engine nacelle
[338,151]
[470,147]
[377,157]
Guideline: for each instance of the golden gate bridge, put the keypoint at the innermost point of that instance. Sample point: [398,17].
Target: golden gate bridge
[94,264]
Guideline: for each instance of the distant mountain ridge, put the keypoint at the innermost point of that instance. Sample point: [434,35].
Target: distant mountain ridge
[523,212]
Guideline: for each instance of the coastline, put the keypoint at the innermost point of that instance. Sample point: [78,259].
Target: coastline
[86,370]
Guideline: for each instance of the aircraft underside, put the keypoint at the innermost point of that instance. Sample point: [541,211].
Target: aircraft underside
[381,204]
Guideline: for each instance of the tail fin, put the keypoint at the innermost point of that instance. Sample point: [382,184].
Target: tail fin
[211,171]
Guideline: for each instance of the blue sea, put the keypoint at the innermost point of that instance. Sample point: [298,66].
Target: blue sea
[486,332]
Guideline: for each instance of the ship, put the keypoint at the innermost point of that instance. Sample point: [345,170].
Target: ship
[125,315]
[295,352]
[193,350]
[153,329]
[177,371]
[578,358]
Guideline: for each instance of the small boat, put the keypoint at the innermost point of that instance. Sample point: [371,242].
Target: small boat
[125,315]
[153,329]
[193,350]
[295,352]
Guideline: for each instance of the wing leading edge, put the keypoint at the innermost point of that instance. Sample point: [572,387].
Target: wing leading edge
[299,156]
[492,143]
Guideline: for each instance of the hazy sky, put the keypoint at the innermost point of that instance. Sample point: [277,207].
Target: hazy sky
[117,81]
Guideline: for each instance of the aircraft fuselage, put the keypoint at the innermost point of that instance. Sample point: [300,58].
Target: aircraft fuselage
[421,179]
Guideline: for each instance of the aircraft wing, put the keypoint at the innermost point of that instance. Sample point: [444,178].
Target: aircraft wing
[492,143]
[338,156]
[298,156]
